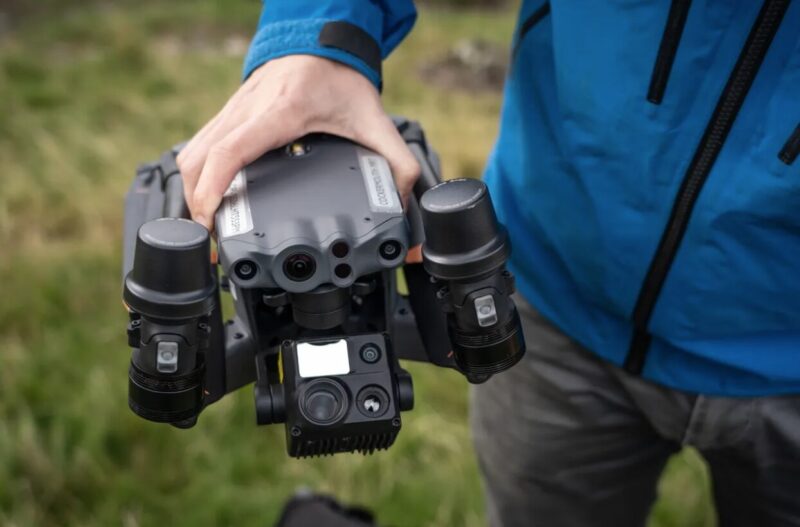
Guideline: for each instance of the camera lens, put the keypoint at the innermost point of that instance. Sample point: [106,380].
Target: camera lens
[390,250]
[372,401]
[340,249]
[299,267]
[323,402]
[370,353]
[245,269]
[322,406]
[343,271]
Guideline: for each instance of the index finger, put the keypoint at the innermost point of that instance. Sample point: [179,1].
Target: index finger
[226,158]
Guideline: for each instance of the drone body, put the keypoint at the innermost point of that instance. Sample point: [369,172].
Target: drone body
[310,240]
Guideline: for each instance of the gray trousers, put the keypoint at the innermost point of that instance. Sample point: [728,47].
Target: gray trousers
[566,439]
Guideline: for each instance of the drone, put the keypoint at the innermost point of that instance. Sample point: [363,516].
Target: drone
[332,280]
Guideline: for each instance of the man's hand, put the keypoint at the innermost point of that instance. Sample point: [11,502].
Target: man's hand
[283,100]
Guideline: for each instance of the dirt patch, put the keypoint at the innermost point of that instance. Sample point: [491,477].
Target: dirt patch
[471,65]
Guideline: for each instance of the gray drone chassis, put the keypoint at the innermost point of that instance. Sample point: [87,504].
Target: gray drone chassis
[313,196]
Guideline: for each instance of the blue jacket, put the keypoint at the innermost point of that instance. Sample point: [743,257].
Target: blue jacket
[646,169]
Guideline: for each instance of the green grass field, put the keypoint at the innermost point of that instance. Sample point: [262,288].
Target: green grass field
[87,90]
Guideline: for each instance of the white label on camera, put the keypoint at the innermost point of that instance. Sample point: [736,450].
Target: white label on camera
[322,360]
[378,180]
[234,216]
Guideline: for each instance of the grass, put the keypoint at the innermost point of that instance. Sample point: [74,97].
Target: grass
[87,90]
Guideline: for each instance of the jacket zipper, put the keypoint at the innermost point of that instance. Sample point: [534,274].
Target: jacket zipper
[792,147]
[529,23]
[678,11]
[728,106]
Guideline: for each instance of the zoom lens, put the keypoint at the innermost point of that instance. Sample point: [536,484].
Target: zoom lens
[323,402]
[299,267]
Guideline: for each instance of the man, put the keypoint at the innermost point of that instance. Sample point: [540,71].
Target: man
[646,169]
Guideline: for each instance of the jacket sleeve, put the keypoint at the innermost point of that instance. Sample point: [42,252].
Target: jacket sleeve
[359,33]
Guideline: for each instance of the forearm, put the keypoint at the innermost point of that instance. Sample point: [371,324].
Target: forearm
[313,66]
[358,33]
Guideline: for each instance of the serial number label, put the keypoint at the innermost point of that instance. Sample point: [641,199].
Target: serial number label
[379,183]
[234,217]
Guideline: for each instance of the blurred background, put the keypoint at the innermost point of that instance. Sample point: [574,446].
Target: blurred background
[87,90]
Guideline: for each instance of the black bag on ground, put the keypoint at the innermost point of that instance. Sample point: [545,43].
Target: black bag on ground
[313,510]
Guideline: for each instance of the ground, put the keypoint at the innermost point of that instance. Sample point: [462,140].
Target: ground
[88,90]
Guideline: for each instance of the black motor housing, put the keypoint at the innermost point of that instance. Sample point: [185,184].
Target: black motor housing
[466,250]
[171,292]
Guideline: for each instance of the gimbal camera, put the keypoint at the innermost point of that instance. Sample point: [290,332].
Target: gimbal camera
[312,239]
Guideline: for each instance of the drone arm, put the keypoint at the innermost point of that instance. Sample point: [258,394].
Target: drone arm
[174,201]
[423,336]
[240,350]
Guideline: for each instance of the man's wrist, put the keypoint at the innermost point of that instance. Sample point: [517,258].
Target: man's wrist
[343,42]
